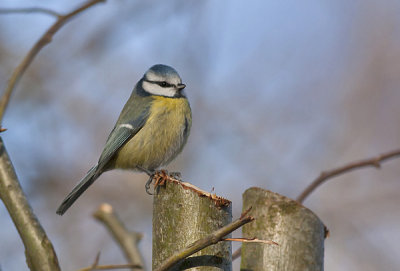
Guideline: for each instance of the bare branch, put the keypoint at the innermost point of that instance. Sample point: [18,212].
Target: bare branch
[127,240]
[96,260]
[40,254]
[211,239]
[30,10]
[39,251]
[43,41]
[325,175]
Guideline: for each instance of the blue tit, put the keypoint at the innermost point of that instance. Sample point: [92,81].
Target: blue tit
[150,132]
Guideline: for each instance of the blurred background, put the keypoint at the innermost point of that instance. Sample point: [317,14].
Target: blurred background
[280,90]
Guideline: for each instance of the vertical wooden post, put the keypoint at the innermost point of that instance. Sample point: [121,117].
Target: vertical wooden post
[182,214]
[298,231]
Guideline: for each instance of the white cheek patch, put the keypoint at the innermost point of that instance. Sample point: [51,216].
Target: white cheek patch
[158,90]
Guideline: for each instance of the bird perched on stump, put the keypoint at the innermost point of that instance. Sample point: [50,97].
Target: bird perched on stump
[150,132]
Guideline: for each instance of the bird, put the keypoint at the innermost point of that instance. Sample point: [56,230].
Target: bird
[151,131]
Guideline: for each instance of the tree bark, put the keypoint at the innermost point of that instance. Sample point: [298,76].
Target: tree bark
[299,233]
[183,214]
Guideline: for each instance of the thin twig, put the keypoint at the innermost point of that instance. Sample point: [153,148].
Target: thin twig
[237,254]
[30,10]
[127,240]
[325,175]
[251,240]
[43,41]
[96,260]
[211,239]
[110,267]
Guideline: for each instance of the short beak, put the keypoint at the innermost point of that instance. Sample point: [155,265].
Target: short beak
[181,86]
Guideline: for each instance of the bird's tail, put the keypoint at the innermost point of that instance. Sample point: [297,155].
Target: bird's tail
[81,187]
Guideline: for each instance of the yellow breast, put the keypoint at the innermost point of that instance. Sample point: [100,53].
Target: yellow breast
[161,138]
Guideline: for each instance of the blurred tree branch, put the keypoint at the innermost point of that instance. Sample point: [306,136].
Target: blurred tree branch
[325,175]
[127,240]
[30,10]
[39,251]
[40,254]
[43,41]
[211,239]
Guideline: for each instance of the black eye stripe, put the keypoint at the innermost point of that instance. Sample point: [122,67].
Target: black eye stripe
[161,83]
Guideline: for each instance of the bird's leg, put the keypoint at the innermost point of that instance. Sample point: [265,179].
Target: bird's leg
[162,176]
[151,174]
[148,184]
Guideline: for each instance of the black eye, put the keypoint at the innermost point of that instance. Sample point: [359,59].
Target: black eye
[163,84]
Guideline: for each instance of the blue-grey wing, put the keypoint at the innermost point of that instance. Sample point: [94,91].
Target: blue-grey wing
[121,134]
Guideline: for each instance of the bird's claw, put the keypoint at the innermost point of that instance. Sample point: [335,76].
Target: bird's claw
[160,176]
[148,184]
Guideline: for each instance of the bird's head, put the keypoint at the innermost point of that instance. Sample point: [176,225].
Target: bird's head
[163,80]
